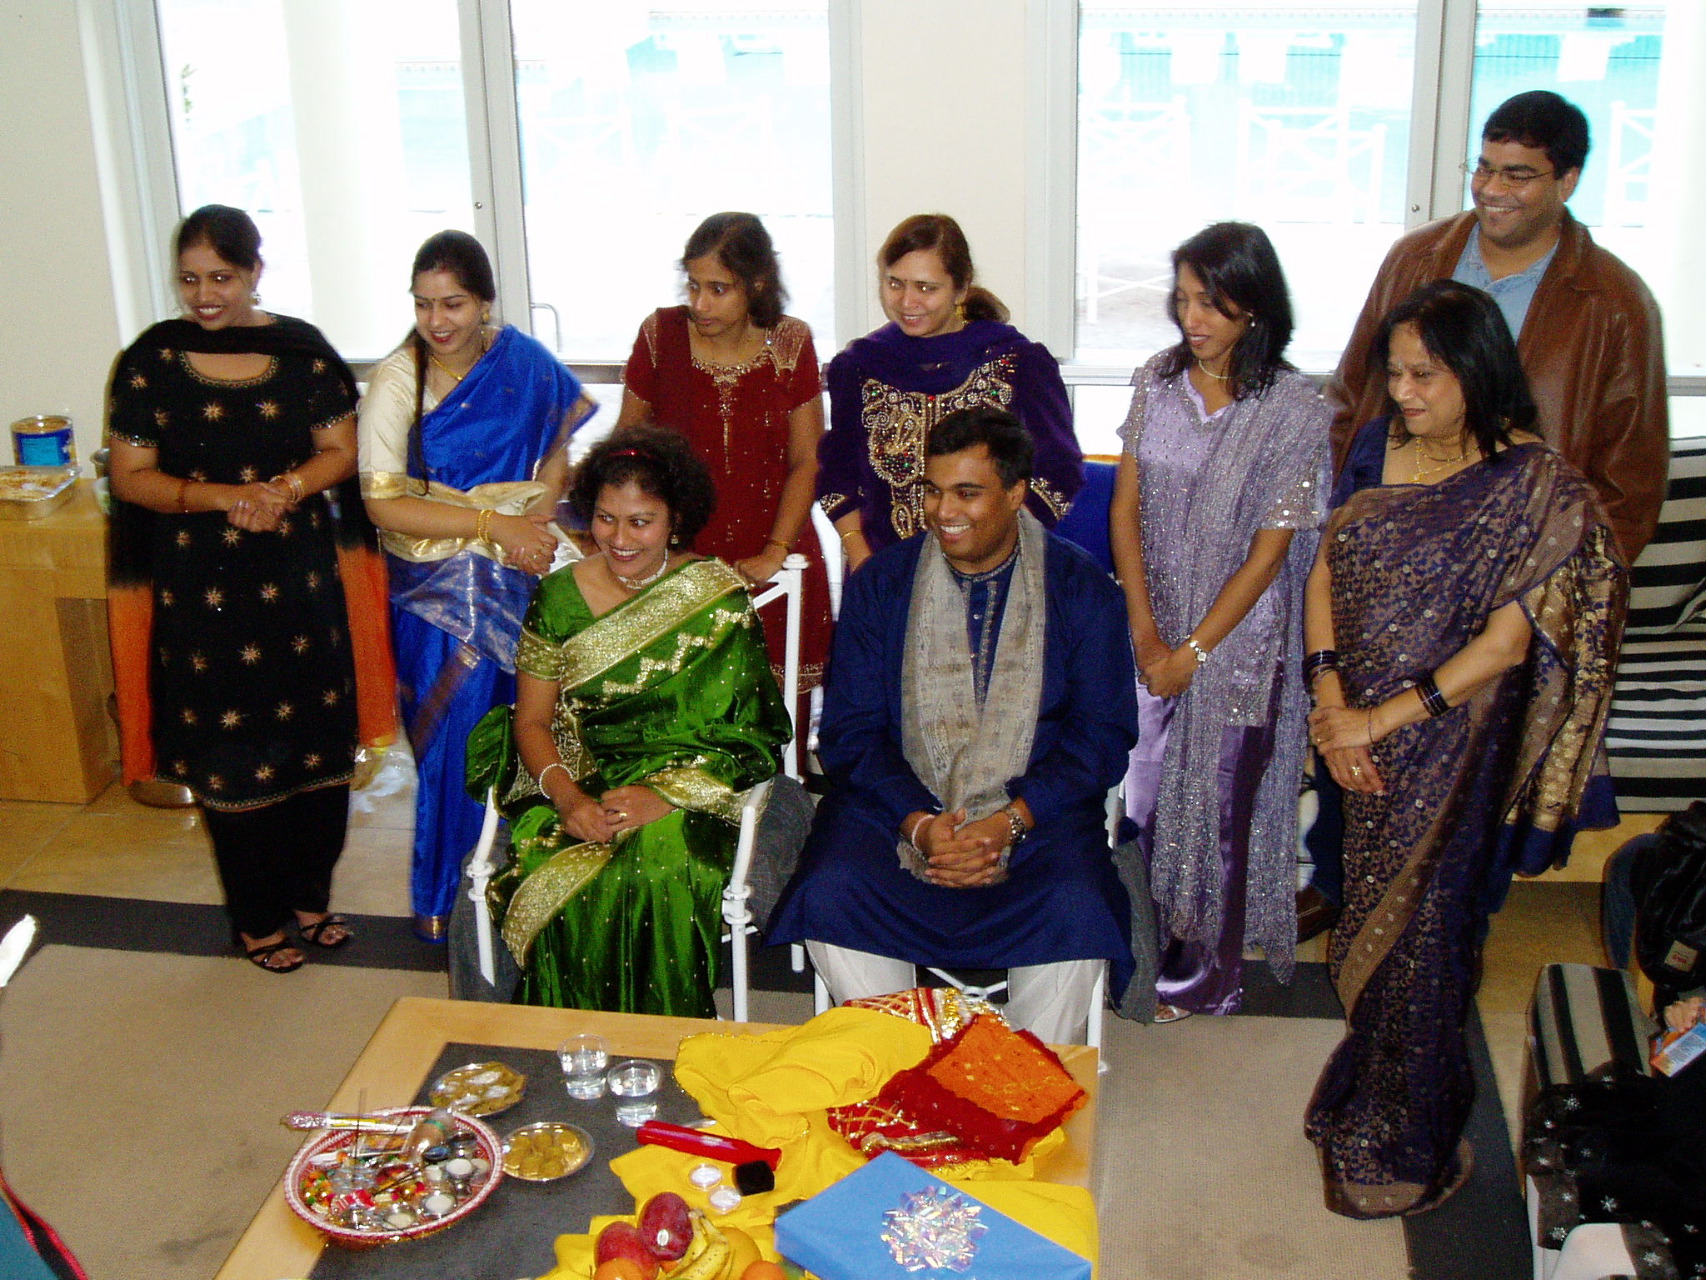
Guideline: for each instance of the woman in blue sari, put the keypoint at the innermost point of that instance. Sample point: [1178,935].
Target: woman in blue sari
[1462,622]
[463,452]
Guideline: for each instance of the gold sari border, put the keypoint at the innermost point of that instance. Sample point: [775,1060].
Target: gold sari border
[627,629]
[539,897]
[506,497]
[688,787]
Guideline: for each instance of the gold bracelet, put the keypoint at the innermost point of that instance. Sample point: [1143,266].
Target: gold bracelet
[779,544]
[293,482]
[483,525]
[848,533]
[184,495]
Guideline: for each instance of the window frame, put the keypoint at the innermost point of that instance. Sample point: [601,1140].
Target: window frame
[140,117]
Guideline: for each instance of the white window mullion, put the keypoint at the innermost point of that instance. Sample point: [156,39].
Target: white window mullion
[853,252]
[145,169]
[494,151]
[1439,118]
[1051,162]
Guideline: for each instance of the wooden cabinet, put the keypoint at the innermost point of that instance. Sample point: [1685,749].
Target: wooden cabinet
[57,740]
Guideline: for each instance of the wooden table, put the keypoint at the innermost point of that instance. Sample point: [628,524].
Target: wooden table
[396,1060]
[55,667]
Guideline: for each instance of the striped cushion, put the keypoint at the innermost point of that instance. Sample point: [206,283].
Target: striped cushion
[1656,737]
[1584,1019]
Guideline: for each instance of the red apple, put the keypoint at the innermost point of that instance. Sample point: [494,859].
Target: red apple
[666,1226]
[623,1240]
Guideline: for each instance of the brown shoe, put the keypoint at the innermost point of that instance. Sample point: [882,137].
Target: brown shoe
[1315,913]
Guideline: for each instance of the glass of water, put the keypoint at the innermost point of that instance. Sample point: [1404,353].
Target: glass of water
[634,1084]
[584,1060]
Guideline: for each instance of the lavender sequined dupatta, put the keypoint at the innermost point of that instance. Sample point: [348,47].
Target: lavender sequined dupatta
[1209,485]
[1417,571]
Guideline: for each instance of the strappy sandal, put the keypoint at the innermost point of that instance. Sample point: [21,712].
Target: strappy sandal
[259,955]
[1165,1013]
[310,933]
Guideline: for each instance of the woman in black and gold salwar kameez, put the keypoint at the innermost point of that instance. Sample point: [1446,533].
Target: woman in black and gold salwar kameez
[1463,620]
[645,707]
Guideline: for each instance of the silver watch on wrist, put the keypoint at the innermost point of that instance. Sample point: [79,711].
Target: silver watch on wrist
[1016,828]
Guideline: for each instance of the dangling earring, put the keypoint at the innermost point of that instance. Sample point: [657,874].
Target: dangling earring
[255,298]
[486,316]
[960,310]
[675,539]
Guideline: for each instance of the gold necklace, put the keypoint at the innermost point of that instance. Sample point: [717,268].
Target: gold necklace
[1218,377]
[638,584]
[456,378]
[1440,464]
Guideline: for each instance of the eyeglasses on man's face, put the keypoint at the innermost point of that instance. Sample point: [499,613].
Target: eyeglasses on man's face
[1513,175]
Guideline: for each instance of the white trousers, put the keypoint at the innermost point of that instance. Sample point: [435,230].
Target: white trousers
[1051,1001]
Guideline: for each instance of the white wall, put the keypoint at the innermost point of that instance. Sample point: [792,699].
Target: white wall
[60,329]
[944,121]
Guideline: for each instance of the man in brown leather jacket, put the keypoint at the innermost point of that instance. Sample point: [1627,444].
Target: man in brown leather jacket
[1590,340]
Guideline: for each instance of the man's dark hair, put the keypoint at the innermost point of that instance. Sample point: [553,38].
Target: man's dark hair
[998,431]
[1544,121]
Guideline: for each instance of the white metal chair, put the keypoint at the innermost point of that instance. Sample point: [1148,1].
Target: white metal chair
[737,915]
[1098,998]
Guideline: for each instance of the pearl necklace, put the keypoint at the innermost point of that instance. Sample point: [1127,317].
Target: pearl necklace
[637,584]
[1218,377]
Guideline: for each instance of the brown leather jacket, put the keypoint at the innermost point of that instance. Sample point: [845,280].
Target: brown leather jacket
[1592,349]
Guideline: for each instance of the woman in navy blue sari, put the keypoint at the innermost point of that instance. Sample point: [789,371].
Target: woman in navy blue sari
[463,440]
[1462,622]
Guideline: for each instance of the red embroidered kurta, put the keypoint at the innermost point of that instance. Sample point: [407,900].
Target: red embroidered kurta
[736,418]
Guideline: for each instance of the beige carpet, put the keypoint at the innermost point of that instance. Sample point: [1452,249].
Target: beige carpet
[140,1094]
[1203,1172]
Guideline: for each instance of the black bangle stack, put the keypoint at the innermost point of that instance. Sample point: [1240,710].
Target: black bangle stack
[1433,701]
[1315,663]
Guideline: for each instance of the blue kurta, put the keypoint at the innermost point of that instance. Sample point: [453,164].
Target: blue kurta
[1062,899]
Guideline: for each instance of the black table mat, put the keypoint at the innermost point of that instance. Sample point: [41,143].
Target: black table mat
[510,1236]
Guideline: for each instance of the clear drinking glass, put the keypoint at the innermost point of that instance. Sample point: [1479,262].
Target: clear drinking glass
[584,1059]
[635,1086]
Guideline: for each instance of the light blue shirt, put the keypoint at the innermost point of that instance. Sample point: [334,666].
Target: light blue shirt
[1512,293]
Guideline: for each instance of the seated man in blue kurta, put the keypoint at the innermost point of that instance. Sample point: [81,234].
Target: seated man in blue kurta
[979,706]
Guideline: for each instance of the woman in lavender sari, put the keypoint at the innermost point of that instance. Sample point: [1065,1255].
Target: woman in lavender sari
[1216,503]
[463,453]
[1463,619]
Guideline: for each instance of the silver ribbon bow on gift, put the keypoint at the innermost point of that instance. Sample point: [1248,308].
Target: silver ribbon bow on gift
[937,1229]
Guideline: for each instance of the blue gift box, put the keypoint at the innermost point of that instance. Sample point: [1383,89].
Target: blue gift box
[854,1230]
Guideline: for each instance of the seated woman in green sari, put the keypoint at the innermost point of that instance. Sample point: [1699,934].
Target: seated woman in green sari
[644,708]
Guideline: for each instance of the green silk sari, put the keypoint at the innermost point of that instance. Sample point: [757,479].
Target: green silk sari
[671,690]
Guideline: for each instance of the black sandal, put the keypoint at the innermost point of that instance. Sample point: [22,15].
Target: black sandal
[311,932]
[259,955]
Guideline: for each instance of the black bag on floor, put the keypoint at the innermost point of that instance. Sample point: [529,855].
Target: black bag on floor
[1669,883]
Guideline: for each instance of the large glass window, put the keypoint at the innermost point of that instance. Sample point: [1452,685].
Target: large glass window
[636,123]
[1294,116]
[339,126]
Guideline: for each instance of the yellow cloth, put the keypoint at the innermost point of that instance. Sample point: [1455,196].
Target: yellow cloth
[772,1090]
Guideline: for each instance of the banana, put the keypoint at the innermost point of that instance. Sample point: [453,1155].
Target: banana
[707,1260]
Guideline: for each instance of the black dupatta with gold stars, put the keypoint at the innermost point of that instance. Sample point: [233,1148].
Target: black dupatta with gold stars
[133,537]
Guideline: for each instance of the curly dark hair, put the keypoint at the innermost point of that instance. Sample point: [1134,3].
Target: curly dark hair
[662,463]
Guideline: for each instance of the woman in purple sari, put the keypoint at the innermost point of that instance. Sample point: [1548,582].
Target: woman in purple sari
[463,453]
[1212,525]
[1462,618]
[948,346]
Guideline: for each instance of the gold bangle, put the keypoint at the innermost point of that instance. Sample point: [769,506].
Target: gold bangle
[779,544]
[483,525]
[848,533]
[293,482]
[184,495]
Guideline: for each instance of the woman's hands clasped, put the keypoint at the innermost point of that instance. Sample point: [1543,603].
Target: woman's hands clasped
[1343,736]
[600,818]
[525,542]
[1165,672]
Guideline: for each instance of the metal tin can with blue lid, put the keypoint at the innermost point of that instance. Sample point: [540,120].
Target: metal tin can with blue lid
[44,440]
